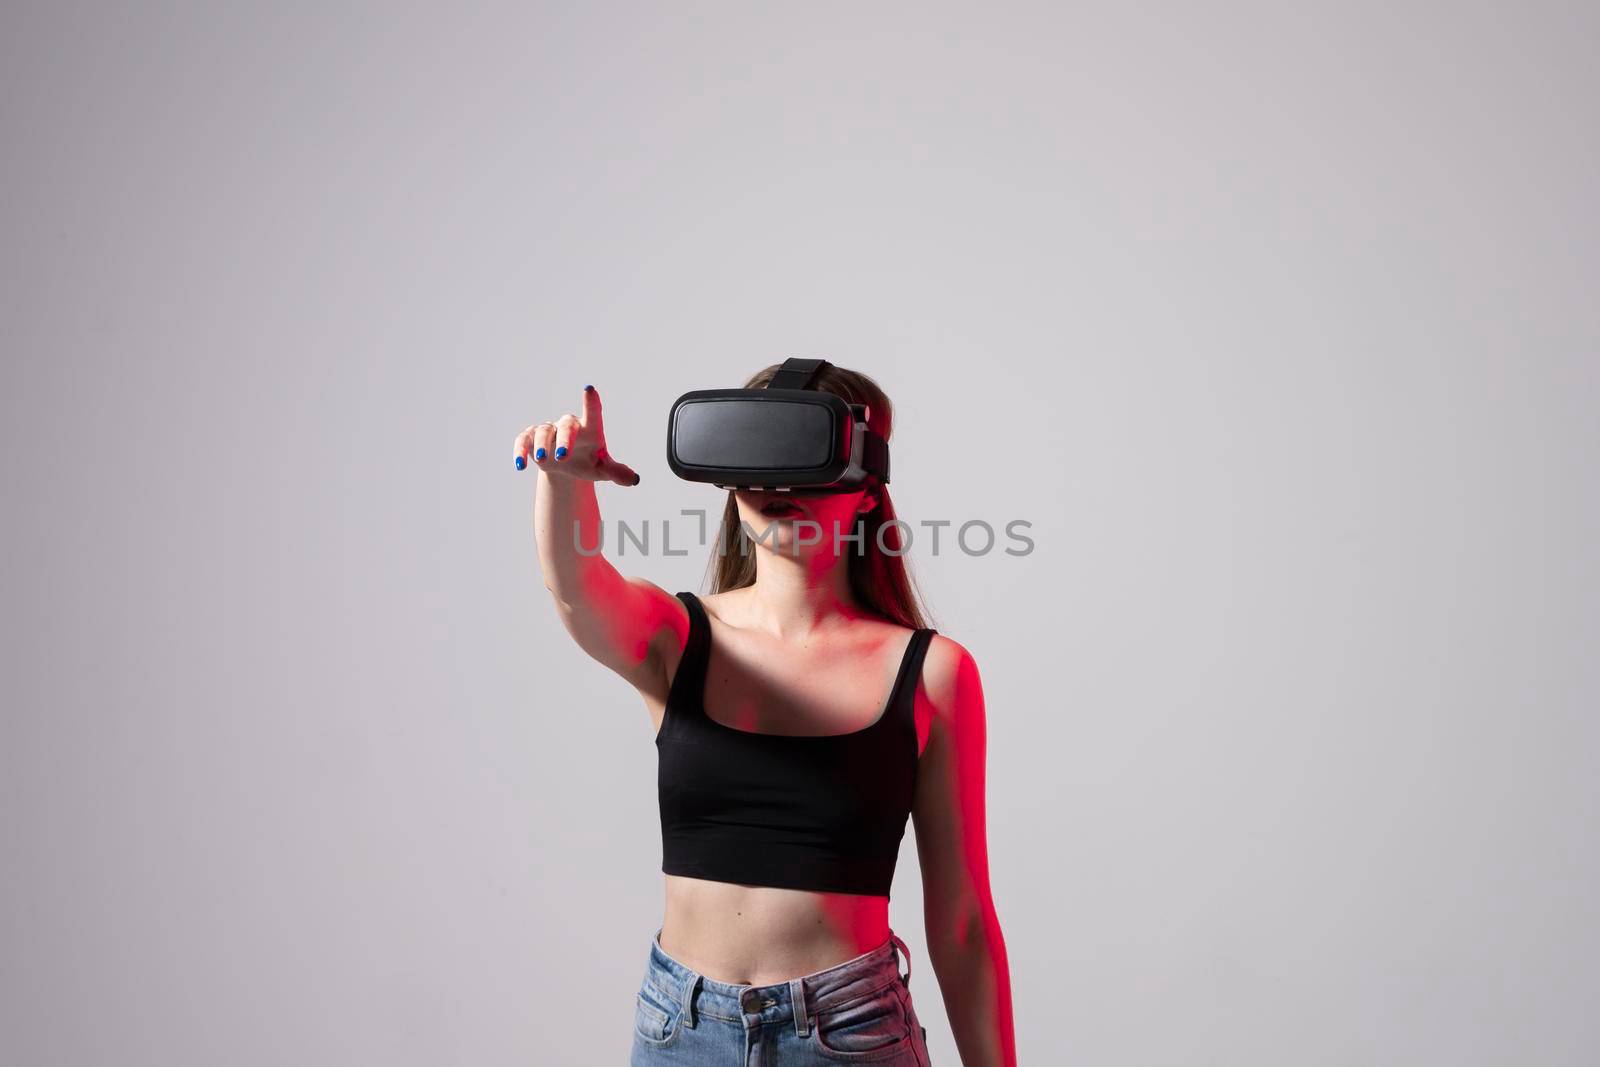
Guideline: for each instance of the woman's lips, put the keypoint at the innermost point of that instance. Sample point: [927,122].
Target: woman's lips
[781,509]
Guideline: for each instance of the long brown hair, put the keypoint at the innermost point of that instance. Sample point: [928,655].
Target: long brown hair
[880,579]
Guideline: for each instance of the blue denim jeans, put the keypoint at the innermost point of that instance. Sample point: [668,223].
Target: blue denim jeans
[858,1011]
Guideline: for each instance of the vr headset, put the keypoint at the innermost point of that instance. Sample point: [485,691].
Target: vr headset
[788,437]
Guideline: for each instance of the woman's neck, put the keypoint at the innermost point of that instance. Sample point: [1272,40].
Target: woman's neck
[793,594]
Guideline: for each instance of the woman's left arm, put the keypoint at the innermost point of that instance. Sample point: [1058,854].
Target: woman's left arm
[965,945]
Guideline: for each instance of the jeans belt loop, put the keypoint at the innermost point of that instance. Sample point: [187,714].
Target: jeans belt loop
[688,999]
[797,1001]
[905,979]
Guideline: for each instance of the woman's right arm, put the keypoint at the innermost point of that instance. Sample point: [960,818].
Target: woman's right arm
[631,625]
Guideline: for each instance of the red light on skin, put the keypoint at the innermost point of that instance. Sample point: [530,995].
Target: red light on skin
[949,816]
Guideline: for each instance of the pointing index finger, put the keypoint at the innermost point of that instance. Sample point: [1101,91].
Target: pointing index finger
[592,418]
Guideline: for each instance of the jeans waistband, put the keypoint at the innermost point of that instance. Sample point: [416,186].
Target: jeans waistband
[797,998]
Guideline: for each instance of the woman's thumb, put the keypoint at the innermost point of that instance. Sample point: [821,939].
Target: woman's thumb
[620,473]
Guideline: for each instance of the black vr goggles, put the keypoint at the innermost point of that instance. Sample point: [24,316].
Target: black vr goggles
[788,436]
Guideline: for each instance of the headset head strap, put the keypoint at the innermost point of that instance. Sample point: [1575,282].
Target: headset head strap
[797,374]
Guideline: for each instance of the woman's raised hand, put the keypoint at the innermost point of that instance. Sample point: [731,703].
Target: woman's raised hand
[573,446]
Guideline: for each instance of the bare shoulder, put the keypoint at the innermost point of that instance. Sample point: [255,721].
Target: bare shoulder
[671,614]
[950,678]
[666,633]
[663,608]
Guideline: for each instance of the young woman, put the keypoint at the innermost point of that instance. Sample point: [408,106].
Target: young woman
[802,712]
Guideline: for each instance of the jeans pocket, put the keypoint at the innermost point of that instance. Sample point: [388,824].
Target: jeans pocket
[873,1028]
[655,1016]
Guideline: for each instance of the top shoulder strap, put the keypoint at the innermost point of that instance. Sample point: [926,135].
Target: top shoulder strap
[696,650]
[905,683]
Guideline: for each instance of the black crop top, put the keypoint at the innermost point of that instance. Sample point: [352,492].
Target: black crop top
[819,812]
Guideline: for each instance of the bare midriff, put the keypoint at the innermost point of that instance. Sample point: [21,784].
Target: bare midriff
[762,935]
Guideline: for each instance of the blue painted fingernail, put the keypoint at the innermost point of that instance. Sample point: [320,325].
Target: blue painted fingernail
[561,453]
[539,454]
[521,463]
[588,388]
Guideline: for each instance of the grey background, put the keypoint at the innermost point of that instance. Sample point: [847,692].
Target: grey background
[1278,325]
